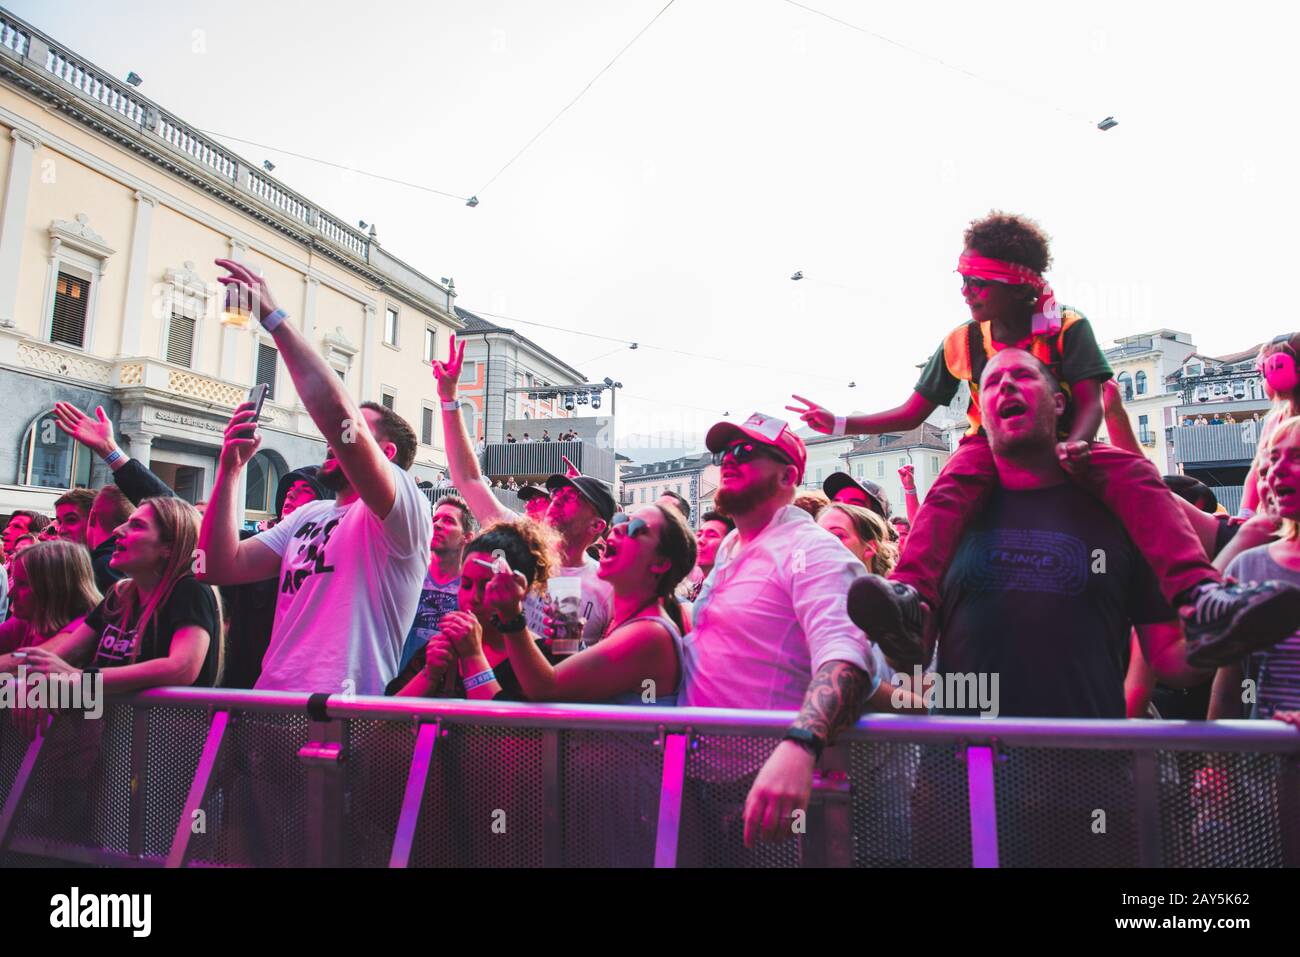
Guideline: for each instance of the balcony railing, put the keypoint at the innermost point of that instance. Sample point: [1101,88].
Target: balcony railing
[41,52]
[539,459]
[507,498]
[1223,444]
[1146,437]
[281,779]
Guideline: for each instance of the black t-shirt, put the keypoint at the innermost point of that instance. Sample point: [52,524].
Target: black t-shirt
[1043,592]
[190,603]
[453,687]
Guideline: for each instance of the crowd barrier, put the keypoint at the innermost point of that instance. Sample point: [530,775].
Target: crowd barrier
[192,777]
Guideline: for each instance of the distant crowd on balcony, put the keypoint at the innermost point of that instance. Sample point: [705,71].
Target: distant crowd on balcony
[545,437]
[1226,418]
[825,608]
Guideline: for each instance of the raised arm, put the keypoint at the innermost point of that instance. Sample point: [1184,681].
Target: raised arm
[225,559]
[133,478]
[335,414]
[901,418]
[461,460]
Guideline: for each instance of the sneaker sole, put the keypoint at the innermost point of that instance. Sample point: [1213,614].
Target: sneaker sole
[872,608]
[1258,626]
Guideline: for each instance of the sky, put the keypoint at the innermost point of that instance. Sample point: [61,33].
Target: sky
[737,141]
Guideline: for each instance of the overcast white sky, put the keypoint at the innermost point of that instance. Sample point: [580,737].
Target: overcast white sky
[740,140]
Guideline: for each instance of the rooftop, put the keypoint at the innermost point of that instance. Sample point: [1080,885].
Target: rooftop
[477,325]
[686,463]
[923,436]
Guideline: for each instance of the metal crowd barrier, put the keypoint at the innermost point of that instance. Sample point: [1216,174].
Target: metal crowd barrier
[187,777]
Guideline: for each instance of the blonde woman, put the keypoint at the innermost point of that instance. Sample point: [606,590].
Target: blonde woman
[159,625]
[864,533]
[53,586]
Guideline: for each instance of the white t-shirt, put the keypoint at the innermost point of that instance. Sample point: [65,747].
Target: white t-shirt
[771,614]
[349,587]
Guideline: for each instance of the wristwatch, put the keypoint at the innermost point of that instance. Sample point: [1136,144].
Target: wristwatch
[517,623]
[806,740]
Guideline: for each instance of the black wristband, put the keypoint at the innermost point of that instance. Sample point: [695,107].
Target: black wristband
[515,624]
[806,740]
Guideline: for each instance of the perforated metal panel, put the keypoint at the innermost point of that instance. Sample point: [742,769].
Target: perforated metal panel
[483,802]
[174,745]
[256,807]
[375,773]
[719,773]
[80,792]
[1062,807]
[933,807]
[611,784]
[1220,810]
[12,748]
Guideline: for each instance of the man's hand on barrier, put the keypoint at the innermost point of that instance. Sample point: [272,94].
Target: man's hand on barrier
[1290,717]
[463,631]
[783,786]
[447,374]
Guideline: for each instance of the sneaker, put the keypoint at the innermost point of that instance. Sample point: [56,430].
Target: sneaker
[1225,622]
[895,617]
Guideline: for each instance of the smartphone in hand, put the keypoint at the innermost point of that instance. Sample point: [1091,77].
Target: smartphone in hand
[257,396]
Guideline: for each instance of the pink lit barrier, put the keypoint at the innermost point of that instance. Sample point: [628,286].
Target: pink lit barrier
[186,777]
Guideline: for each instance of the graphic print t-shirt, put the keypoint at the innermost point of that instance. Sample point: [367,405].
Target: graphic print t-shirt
[436,599]
[349,586]
[1042,592]
[1276,670]
[190,603]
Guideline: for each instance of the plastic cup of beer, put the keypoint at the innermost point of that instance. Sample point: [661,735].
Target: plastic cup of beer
[565,597]
[235,312]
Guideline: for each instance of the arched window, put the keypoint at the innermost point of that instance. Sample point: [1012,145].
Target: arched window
[51,459]
[263,481]
[1125,384]
[1141,379]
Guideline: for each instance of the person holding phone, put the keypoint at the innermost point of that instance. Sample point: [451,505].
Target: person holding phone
[350,570]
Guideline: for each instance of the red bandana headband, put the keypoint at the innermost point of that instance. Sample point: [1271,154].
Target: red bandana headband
[1047,314]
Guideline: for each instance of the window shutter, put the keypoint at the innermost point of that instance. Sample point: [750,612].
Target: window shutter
[426,427]
[180,340]
[266,356]
[386,400]
[69,321]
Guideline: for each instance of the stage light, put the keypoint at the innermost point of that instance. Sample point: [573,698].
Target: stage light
[569,404]
[472,201]
[582,398]
[362,224]
[797,276]
[595,401]
[268,166]
[135,79]
[1109,123]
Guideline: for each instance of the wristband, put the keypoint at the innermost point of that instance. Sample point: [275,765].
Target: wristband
[482,678]
[909,493]
[515,624]
[90,670]
[114,456]
[1244,512]
[274,319]
[451,406]
[841,425]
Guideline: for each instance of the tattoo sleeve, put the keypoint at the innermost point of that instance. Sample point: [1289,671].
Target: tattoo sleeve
[835,699]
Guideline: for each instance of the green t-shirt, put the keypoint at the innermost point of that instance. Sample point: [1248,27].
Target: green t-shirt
[1081,358]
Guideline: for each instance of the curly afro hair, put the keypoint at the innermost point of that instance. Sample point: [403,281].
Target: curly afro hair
[1016,239]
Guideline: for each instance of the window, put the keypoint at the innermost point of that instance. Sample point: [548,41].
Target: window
[469,373]
[180,339]
[69,322]
[902,462]
[819,476]
[430,344]
[861,469]
[934,465]
[1141,380]
[880,468]
[51,459]
[426,426]
[386,399]
[266,357]
[1125,384]
[390,326]
[263,481]
[643,491]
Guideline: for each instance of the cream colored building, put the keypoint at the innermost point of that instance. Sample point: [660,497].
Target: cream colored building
[1143,364]
[113,212]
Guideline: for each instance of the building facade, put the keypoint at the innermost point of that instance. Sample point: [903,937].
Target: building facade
[1143,365]
[114,210]
[879,457]
[694,477]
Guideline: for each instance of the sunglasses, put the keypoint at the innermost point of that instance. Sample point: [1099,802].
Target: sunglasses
[632,527]
[981,284]
[742,452]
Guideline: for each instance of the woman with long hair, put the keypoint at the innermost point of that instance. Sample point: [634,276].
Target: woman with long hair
[52,587]
[159,625]
[638,661]
[515,552]
[864,533]
[1286,405]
